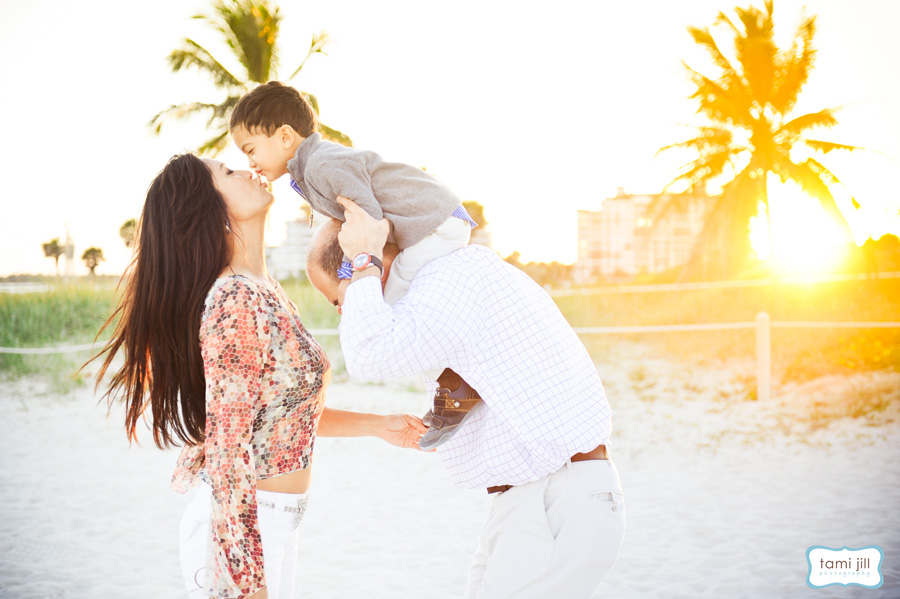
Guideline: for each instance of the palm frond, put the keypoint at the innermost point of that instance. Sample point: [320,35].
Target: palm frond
[216,143]
[707,138]
[731,79]
[823,118]
[316,46]
[795,68]
[334,135]
[827,146]
[705,168]
[723,19]
[178,111]
[192,54]
[250,29]
[327,132]
[756,51]
[719,103]
[722,246]
[313,101]
[814,178]
[222,112]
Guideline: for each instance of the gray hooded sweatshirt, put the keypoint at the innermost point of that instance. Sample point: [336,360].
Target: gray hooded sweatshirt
[415,202]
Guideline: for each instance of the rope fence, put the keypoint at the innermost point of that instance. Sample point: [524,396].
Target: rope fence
[762,325]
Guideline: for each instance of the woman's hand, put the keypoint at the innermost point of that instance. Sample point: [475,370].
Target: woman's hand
[402,430]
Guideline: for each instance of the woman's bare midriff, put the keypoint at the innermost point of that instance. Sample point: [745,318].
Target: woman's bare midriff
[292,482]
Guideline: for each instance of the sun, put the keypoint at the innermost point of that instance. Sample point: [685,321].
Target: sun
[806,238]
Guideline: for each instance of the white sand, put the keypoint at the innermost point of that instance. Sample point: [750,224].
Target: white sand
[723,495]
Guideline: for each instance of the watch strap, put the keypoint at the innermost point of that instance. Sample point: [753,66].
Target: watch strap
[371,261]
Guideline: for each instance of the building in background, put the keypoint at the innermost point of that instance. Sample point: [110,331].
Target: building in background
[625,238]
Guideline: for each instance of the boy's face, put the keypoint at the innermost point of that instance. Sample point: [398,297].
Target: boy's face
[268,155]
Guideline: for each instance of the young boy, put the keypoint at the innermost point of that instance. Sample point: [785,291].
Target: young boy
[275,127]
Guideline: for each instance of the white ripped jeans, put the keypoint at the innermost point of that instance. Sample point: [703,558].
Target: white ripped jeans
[279,516]
[554,537]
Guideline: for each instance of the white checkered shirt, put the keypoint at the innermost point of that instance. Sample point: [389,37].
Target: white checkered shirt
[489,322]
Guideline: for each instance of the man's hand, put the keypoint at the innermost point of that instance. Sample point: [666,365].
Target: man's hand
[402,430]
[360,232]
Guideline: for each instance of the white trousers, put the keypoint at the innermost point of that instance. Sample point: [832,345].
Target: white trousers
[451,235]
[553,538]
[279,516]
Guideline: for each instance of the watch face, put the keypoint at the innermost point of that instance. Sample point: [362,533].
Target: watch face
[361,261]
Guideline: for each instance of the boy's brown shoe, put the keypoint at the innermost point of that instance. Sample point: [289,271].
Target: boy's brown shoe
[453,402]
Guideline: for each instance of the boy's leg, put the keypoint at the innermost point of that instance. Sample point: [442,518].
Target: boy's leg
[451,235]
[454,402]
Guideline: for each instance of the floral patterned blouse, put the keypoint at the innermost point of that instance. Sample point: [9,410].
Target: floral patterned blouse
[265,390]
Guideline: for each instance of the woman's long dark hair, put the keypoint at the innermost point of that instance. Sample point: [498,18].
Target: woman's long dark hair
[182,247]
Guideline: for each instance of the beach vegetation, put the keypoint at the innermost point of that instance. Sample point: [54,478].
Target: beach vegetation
[751,135]
[53,249]
[249,29]
[66,315]
[72,315]
[126,231]
[92,257]
[798,354]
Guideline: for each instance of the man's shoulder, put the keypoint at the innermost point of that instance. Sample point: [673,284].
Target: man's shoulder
[467,258]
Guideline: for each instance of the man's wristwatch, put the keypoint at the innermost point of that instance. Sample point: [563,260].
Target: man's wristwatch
[362,261]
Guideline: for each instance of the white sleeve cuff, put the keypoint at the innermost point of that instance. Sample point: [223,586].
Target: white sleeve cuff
[360,293]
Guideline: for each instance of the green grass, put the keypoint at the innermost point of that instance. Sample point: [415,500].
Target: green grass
[65,315]
[68,315]
[315,311]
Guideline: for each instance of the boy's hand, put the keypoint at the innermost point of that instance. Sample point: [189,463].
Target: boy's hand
[361,233]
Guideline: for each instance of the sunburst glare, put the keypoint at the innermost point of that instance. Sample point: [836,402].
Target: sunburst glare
[806,238]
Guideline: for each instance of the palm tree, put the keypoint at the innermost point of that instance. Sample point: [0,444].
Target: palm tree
[92,258]
[752,132]
[476,211]
[250,30]
[126,231]
[53,249]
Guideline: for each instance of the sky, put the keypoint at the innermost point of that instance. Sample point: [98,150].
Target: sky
[535,110]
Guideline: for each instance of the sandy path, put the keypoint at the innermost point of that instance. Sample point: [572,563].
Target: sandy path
[723,499]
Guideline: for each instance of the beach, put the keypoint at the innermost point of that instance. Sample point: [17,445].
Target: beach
[724,495]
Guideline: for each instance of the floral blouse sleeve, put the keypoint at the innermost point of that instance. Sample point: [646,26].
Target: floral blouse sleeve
[234,338]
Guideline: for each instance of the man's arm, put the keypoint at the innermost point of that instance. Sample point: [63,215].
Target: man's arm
[431,328]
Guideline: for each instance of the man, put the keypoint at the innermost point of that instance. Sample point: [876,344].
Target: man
[538,439]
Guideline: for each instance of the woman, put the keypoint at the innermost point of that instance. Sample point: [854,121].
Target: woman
[216,352]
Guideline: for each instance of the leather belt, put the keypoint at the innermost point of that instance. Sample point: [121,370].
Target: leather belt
[598,453]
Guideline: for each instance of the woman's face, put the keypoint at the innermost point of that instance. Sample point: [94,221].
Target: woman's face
[245,197]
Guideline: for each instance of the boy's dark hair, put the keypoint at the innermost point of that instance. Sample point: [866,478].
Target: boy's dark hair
[272,105]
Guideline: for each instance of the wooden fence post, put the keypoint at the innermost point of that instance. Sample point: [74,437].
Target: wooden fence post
[763,357]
